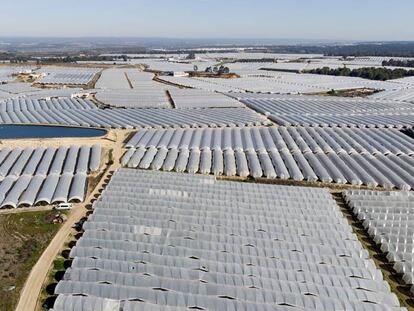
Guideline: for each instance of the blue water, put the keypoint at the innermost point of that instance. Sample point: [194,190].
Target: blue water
[45,131]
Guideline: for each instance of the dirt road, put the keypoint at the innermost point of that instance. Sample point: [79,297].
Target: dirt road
[33,285]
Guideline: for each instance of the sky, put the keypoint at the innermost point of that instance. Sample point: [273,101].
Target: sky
[367,20]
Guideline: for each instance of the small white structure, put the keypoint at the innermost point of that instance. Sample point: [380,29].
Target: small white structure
[180,74]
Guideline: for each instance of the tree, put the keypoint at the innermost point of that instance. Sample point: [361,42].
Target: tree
[371,73]
[191,56]
[398,63]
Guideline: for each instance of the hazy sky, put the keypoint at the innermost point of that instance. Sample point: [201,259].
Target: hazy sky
[296,19]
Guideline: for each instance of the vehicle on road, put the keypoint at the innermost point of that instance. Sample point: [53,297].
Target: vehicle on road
[63,206]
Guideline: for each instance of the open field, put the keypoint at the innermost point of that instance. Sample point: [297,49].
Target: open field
[281,155]
[24,237]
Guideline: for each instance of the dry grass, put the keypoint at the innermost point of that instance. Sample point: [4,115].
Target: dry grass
[24,237]
[359,92]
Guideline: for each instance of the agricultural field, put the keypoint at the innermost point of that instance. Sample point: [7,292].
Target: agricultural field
[24,237]
[207,155]
[200,127]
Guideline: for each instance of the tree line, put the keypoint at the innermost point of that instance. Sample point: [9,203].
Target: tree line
[398,63]
[371,73]
[217,70]
[74,59]
[385,49]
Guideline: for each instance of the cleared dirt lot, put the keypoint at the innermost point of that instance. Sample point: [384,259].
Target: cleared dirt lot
[24,236]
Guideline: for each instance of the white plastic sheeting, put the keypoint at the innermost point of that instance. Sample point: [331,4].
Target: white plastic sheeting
[138,118]
[304,139]
[95,158]
[342,155]
[114,78]
[331,111]
[124,78]
[46,175]
[67,75]
[192,98]
[41,161]
[131,88]
[39,94]
[6,73]
[50,93]
[215,56]
[163,65]
[30,105]
[162,241]
[17,88]
[78,187]
[389,219]
[253,80]
[406,94]
[27,190]
[83,112]
[146,98]
[320,105]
